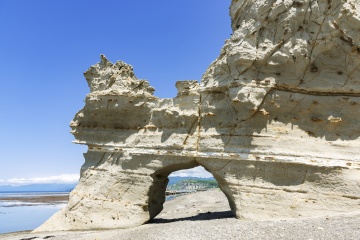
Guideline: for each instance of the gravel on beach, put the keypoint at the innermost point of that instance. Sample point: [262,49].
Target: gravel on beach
[206,215]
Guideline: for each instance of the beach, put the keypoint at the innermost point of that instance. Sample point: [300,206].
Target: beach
[206,215]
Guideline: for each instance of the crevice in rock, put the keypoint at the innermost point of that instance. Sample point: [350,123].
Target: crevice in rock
[199,123]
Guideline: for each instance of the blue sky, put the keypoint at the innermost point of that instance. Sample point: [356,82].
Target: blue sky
[45,47]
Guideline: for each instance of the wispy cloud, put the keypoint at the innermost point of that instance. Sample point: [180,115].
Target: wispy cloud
[63,178]
[193,172]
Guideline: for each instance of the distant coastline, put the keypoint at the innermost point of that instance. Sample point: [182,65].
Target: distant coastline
[53,187]
[22,199]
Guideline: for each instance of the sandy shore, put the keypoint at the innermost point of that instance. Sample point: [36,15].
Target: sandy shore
[206,215]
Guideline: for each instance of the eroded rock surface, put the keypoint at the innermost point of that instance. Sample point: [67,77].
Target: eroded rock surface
[275,119]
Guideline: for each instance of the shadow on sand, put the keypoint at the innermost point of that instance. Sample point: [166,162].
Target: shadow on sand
[200,217]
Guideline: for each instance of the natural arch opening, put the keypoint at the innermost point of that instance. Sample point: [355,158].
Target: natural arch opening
[207,200]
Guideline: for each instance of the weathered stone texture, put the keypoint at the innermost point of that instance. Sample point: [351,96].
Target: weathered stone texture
[275,119]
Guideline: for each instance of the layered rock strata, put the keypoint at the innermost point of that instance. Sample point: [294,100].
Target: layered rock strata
[275,119]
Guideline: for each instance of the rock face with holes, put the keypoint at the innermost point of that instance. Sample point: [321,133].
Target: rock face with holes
[275,119]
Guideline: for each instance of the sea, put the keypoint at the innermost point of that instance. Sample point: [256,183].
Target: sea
[21,215]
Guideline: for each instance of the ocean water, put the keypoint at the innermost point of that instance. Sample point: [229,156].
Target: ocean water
[23,215]
[168,198]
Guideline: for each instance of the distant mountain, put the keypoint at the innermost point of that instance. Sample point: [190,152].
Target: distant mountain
[49,187]
[174,180]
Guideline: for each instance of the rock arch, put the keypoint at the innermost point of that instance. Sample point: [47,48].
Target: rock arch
[160,182]
[274,119]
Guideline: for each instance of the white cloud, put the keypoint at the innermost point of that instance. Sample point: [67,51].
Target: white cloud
[193,172]
[63,178]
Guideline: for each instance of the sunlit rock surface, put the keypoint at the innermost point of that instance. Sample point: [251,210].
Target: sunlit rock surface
[275,119]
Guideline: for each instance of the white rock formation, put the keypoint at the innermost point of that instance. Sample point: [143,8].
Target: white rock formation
[275,120]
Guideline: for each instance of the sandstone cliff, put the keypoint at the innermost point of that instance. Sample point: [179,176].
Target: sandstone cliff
[274,119]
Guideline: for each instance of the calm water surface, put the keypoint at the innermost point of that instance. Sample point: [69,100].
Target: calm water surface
[23,215]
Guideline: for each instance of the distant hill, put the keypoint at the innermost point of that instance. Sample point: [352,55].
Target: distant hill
[186,183]
[174,180]
[39,188]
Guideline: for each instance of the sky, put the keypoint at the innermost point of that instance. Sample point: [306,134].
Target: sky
[46,46]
